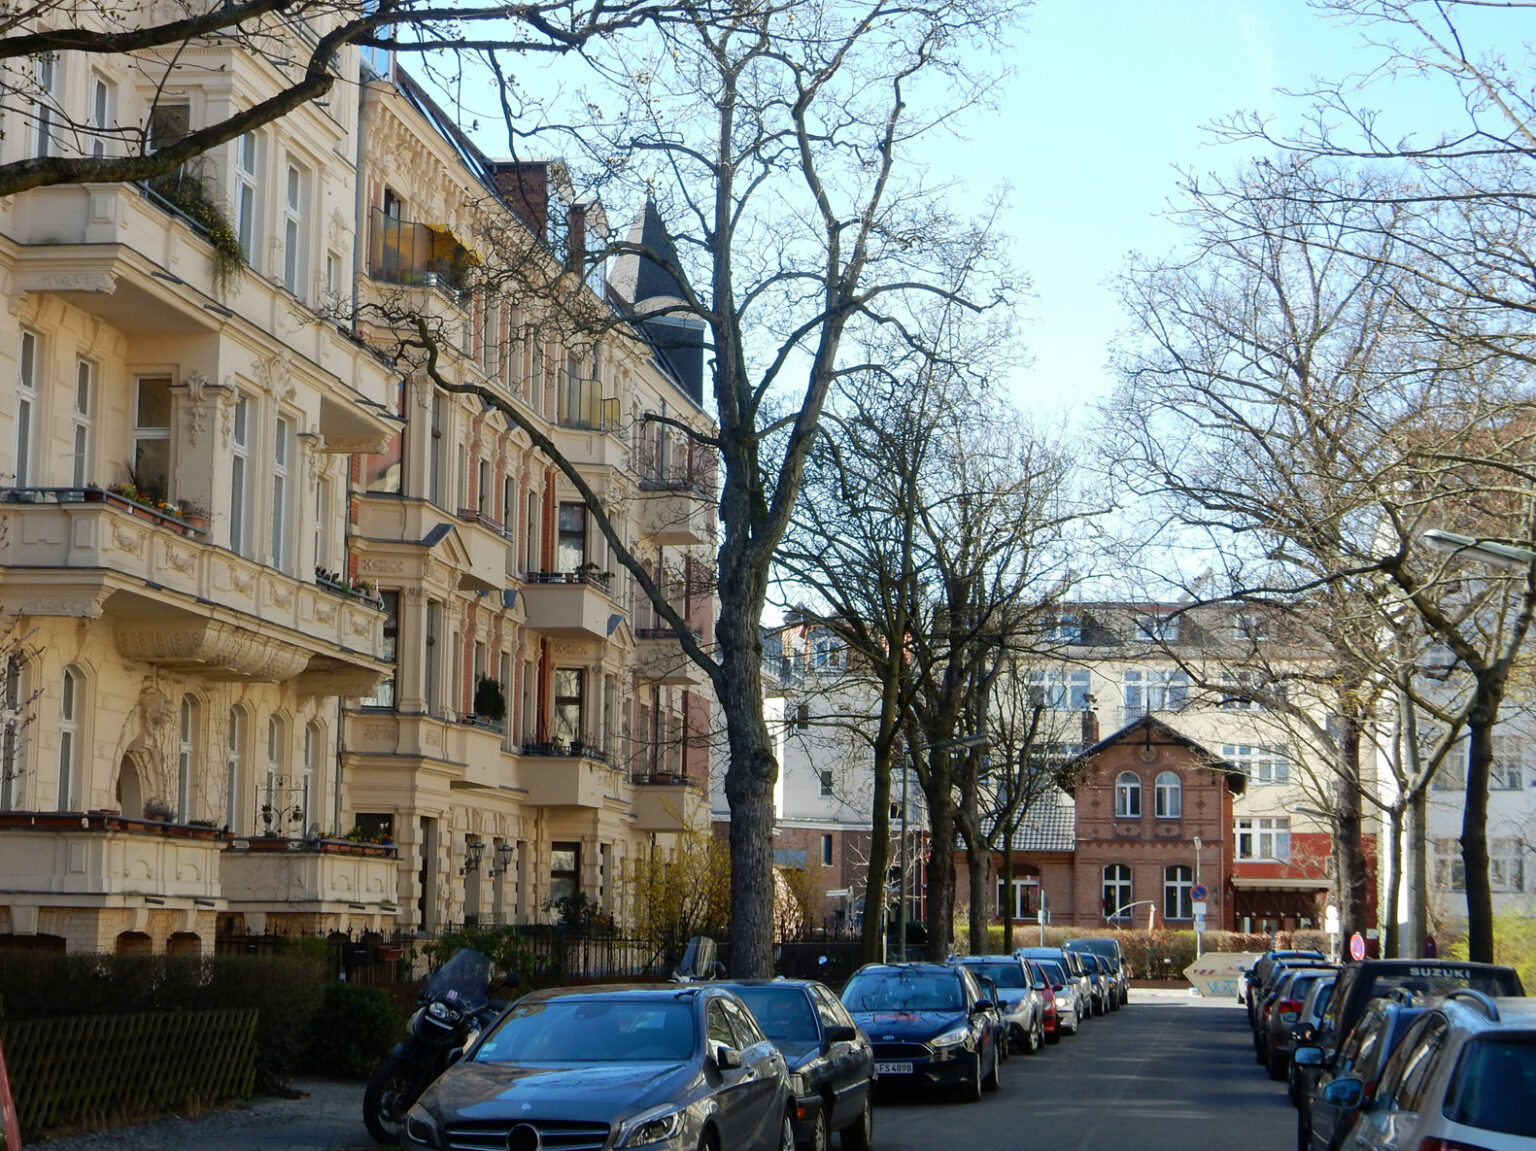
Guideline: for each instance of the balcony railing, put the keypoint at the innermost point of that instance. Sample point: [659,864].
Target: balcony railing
[595,579]
[583,406]
[400,252]
[165,515]
[575,749]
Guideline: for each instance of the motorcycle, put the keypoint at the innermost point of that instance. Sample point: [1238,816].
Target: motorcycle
[455,1007]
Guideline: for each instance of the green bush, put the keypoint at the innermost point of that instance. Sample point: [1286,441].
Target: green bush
[353,1030]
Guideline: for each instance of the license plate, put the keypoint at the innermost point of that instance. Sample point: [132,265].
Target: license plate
[893,1069]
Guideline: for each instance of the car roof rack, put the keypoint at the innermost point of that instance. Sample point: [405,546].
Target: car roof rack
[1484,1001]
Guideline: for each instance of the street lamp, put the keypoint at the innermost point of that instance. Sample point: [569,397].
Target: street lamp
[1119,911]
[1488,552]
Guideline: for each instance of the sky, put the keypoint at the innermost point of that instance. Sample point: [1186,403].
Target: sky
[1107,99]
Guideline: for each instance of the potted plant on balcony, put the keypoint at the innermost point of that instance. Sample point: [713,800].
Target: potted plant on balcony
[490,700]
[160,809]
[194,513]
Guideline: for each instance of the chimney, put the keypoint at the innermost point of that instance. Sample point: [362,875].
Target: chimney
[576,238]
[525,184]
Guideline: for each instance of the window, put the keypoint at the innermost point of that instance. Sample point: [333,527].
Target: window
[240,478]
[71,708]
[1064,629]
[1250,627]
[827,652]
[322,525]
[13,700]
[1450,871]
[435,481]
[312,737]
[1264,838]
[483,489]
[1059,690]
[271,816]
[826,851]
[564,870]
[571,543]
[1262,765]
[81,419]
[186,758]
[826,782]
[234,747]
[45,75]
[247,202]
[103,110]
[1451,775]
[568,704]
[169,124]
[432,660]
[26,411]
[1154,628]
[531,540]
[1507,772]
[802,719]
[1177,882]
[1117,889]
[282,498]
[295,212]
[1506,864]
[1168,799]
[1155,691]
[384,694]
[152,436]
[1128,795]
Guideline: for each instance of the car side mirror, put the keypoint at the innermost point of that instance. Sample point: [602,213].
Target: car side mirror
[727,1058]
[1345,1094]
[981,1005]
[1307,1057]
[839,1033]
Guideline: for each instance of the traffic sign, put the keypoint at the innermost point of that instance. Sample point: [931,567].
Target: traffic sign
[1357,947]
[1198,892]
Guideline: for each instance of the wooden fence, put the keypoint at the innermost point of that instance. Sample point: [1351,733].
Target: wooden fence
[89,1068]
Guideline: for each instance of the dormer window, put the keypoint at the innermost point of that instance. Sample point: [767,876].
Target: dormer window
[1064,629]
[1157,629]
[827,652]
[1248,627]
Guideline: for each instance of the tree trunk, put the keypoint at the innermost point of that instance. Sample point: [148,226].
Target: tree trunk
[872,930]
[1006,874]
[978,862]
[1416,873]
[1392,927]
[1474,826]
[941,848]
[1354,914]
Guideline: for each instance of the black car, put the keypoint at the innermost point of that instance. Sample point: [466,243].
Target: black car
[1322,1126]
[930,1025]
[831,1061]
[1113,955]
[669,1067]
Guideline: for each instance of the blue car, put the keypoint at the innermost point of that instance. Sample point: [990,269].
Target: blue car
[931,1025]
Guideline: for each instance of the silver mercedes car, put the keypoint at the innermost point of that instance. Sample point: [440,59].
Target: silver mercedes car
[676,1066]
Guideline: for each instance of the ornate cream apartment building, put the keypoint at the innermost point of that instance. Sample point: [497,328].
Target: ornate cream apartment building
[295,640]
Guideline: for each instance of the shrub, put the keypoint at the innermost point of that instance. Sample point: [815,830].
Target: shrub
[353,1031]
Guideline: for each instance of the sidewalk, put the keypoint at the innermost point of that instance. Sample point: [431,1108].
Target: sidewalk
[328,1117]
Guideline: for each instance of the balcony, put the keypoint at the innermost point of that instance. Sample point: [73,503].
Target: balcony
[659,658]
[403,533]
[578,776]
[570,604]
[470,752]
[677,512]
[667,802]
[97,859]
[314,877]
[418,270]
[177,602]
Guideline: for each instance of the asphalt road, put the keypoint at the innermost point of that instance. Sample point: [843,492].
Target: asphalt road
[1170,1071]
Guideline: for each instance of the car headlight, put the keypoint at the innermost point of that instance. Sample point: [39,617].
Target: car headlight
[950,1038]
[1063,1002]
[648,1127]
[421,1127]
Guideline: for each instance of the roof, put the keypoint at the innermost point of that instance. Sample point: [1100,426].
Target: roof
[1048,827]
[1151,730]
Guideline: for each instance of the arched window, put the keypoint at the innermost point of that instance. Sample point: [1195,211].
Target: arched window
[1177,882]
[314,741]
[271,817]
[1117,890]
[234,750]
[186,758]
[1170,796]
[71,708]
[1128,795]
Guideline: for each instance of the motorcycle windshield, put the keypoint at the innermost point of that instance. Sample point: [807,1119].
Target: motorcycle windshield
[465,979]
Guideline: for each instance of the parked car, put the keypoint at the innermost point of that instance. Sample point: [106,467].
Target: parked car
[929,1023]
[1071,962]
[1300,1080]
[673,1066]
[1263,993]
[1105,985]
[1067,994]
[1019,1001]
[990,993]
[1463,1076]
[1359,983]
[831,1061]
[1322,1126]
[1110,951]
[1281,1013]
[1259,970]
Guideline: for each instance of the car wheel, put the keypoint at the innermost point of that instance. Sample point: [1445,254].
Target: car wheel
[970,1089]
[1054,1037]
[1036,1038]
[1303,1134]
[1004,1042]
[860,1136]
[819,1137]
[993,1081]
[787,1131]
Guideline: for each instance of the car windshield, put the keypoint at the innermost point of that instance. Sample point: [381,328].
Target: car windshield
[1002,974]
[903,991]
[1053,971]
[1436,980]
[1495,1086]
[782,1012]
[581,1030]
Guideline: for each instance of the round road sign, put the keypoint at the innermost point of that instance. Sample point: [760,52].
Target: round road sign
[1198,892]
[1357,947]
